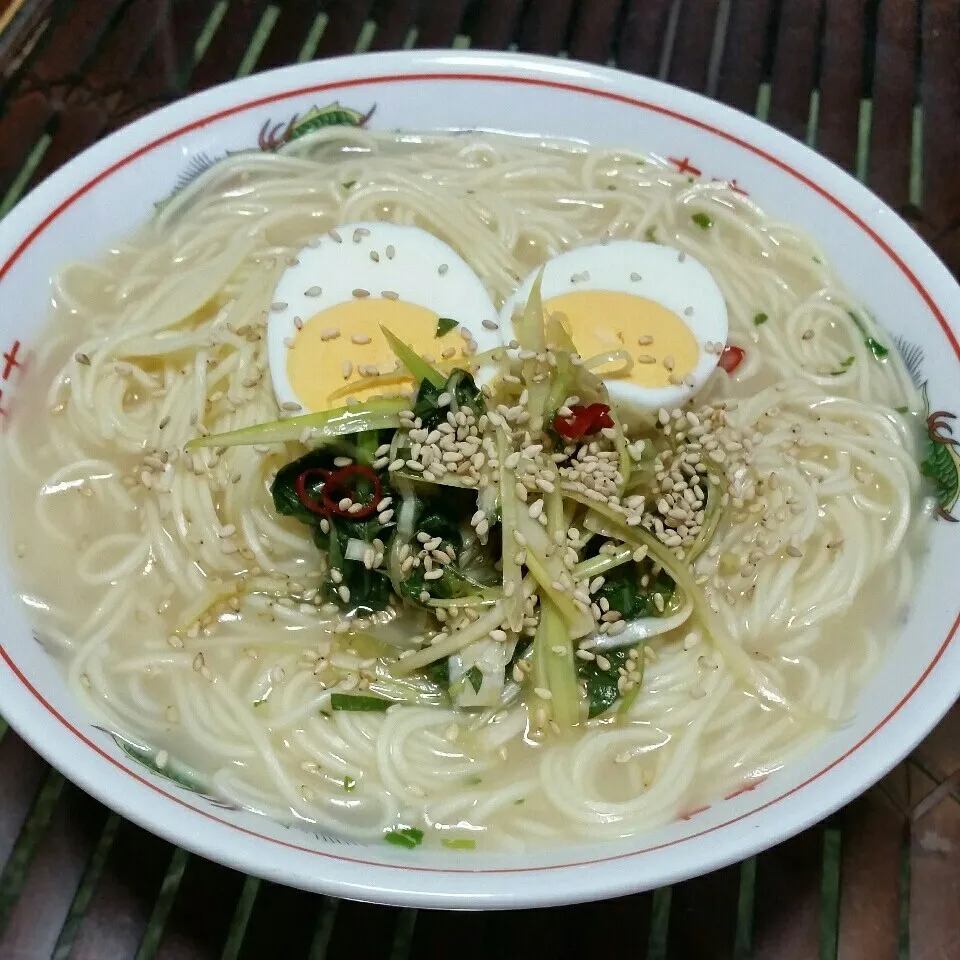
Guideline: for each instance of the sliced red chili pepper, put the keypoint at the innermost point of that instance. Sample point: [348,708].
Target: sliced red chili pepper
[600,414]
[343,483]
[302,483]
[583,420]
[731,358]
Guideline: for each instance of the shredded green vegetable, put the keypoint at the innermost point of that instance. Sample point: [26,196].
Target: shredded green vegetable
[376,414]
[498,581]
[418,367]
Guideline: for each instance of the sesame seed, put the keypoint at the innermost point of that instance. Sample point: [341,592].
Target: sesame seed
[313,291]
[390,251]
[543,693]
[646,358]
[490,325]
[290,405]
[389,295]
[374,256]
[347,369]
[330,333]
[344,592]
[635,277]
[82,358]
[335,236]
[360,293]
[278,306]
[360,338]
[442,269]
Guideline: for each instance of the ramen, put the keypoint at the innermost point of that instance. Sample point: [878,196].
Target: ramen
[463,490]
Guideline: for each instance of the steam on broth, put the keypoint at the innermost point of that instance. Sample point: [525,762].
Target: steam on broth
[524,602]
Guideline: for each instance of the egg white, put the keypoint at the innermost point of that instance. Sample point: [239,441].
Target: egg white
[676,281]
[420,268]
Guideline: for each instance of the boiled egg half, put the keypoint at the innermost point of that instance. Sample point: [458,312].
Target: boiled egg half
[660,306]
[325,342]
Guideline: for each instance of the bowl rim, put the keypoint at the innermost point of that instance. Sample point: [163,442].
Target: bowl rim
[46,202]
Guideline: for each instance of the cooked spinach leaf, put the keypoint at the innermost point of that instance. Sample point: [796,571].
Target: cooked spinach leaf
[465,391]
[445,325]
[439,673]
[460,843]
[459,385]
[370,590]
[475,676]
[624,593]
[358,703]
[426,407]
[409,837]
[284,491]
[602,690]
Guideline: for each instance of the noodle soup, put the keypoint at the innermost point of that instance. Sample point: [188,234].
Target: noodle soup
[575,612]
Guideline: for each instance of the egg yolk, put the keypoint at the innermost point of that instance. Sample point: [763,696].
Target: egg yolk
[603,320]
[335,352]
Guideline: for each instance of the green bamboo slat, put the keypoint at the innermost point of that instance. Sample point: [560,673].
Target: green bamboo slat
[658,943]
[240,918]
[28,110]
[746,890]
[440,22]
[119,908]
[894,93]
[55,863]
[25,27]
[703,914]
[543,28]
[290,33]
[493,23]
[229,45]
[873,830]
[940,98]
[14,873]
[21,775]
[88,884]
[436,930]
[787,899]
[594,31]
[696,37]
[746,57]
[934,871]
[346,20]
[117,65]
[163,905]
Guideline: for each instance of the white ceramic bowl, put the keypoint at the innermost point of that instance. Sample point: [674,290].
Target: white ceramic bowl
[108,190]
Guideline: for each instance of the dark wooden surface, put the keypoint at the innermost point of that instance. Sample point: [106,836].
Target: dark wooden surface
[873,84]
